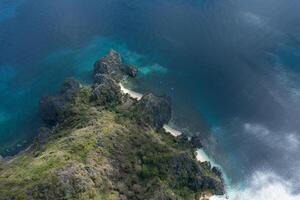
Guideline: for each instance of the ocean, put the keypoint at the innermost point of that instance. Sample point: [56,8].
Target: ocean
[230,66]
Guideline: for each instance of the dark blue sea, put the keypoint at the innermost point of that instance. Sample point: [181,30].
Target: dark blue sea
[232,68]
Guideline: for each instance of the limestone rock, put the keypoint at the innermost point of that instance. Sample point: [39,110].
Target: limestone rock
[107,94]
[69,88]
[43,134]
[110,65]
[154,110]
[196,141]
[103,79]
[113,66]
[129,70]
[108,153]
[54,109]
[212,184]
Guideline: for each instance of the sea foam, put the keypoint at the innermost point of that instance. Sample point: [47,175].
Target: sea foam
[262,185]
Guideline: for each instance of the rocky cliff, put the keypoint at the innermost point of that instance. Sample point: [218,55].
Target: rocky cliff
[99,143]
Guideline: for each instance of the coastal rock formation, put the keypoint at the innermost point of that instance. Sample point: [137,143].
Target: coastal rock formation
[154,110]
[54,109]
[196,141]
[113,66]
[107,94]
[129,70]
[103,79]
[102,144]
[43,134]
[69,88]
[109,64]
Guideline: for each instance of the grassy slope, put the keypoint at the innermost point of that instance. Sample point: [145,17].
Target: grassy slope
[98,154]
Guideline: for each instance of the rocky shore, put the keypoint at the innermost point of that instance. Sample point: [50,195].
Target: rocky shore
[99,143]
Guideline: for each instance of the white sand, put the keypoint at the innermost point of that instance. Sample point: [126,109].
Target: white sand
[172,131]
[131,93]
[200,154]
[203,157]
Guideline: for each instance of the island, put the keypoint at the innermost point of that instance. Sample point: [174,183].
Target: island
[101,143]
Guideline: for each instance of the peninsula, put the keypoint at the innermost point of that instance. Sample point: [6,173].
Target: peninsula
[101,143]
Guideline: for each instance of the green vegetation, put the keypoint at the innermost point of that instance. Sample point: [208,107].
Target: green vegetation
[103,145]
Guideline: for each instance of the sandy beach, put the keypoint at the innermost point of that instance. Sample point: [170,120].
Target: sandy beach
[133,94]
[172,131]
[200,154]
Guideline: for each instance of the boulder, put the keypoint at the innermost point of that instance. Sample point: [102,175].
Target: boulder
[154,110]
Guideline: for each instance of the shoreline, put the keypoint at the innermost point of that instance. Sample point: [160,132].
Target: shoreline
[171,130]
[131,93]
[201,156]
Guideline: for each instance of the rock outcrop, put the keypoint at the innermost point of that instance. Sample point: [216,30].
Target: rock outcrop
[43,134]
[196,141]
[107,94]
[154,110]
[129,70]
[113,66]
[54,109]
[102,144]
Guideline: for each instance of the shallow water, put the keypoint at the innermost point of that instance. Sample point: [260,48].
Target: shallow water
[232,68]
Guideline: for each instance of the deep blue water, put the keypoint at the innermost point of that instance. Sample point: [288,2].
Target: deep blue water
[232,68]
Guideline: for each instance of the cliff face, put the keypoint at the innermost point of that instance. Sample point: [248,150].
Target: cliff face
[101,144]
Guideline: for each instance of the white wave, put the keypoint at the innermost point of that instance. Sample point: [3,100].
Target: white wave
[263,186]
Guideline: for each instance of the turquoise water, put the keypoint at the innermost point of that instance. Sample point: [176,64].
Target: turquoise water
[231,68]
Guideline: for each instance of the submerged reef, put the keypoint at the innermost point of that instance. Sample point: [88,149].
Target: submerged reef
[99,143]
